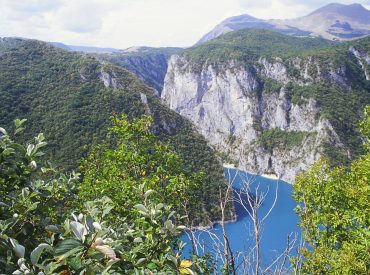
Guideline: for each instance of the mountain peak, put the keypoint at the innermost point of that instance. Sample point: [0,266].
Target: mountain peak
[334,21]
[355,12]
[241,18]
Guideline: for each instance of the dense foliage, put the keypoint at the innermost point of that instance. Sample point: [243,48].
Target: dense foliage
[41,234]
[133,157]
[63,94]
[279,139]
[249,45]
[334,211]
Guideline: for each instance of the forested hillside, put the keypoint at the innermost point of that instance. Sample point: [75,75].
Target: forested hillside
[70,97]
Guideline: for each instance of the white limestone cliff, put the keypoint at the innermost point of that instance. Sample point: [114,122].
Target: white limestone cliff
[230,107]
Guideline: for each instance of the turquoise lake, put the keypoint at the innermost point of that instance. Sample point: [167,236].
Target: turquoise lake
[281,222]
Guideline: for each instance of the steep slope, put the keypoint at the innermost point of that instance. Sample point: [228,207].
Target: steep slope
[149,64]
[337,22]
[272,103]
[70,96]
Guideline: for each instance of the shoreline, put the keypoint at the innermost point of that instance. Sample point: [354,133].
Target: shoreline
[211,225]
[271,176]
[228,165]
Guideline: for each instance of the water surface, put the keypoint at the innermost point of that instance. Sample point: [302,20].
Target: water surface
[281,222]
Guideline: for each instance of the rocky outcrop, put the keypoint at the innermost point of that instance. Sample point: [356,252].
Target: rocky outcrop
[363,59]
[149,64]
[232,108]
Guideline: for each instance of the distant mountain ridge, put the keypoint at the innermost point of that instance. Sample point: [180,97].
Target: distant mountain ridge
[148,63]
[336,22]
[85,49]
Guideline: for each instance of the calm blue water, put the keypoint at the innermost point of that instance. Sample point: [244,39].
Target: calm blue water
[281,222]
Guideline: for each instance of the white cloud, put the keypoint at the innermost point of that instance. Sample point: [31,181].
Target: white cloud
[83,16]
[124,23]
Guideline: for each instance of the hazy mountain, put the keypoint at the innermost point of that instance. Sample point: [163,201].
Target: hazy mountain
[248,22]
[333,21]
[336,22]
[86,49]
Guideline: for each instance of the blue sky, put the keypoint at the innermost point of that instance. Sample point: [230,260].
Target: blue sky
[125,23]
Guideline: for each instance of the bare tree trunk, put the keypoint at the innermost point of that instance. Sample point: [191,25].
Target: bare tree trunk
[228,253]
[189,225]
[226,250]
[257,238]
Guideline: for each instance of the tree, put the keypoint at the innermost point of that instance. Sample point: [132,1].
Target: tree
[40,233]
[334,207]
[133,157]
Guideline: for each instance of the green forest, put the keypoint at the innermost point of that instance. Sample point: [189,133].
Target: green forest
[60,94]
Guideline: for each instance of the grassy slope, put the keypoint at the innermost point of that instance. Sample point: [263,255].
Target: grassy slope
[60,94]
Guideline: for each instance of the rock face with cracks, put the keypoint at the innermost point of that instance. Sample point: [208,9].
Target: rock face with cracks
[231,106]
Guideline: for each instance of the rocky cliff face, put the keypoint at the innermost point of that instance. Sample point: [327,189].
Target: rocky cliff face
[250,113]
[149,64]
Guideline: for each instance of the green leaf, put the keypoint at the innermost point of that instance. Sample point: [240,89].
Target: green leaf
[75,263]
[30,148]
[19,250]
[173,260]
[151,266]
[66,246]
[79,230]
[141,208]
[19,122]
[168,224]
[2,130]
[140,261]
[138,240]
[36,253]
[159,206]
[148,193]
